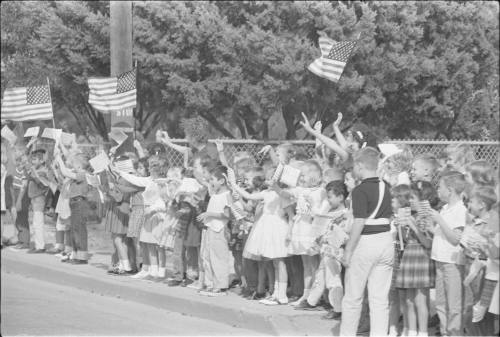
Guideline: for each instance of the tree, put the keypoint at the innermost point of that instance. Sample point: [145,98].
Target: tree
[420,69]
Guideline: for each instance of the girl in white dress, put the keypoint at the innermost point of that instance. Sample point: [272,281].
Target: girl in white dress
[268,237]
[311,200]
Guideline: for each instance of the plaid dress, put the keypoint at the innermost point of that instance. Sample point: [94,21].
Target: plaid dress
[416,269]
[137,216]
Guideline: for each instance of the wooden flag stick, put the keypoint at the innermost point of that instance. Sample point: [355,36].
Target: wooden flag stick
[136,75]
[50,97]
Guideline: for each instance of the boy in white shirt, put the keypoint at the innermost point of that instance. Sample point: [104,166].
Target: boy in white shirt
[448,255]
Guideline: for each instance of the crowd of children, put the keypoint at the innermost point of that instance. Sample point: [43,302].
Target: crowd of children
[351,228]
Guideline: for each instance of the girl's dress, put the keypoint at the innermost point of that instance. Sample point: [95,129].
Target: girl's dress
[137,217]
[268,236]
[116,221]
[305,227]
[416,269]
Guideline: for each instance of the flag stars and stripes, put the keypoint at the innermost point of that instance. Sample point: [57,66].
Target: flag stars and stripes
[334,57]
[113,93]
[27,103]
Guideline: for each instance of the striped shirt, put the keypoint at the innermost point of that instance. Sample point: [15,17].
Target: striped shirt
[19,178]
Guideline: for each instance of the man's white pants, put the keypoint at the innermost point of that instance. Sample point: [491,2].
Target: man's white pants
[371,264]
[38,223]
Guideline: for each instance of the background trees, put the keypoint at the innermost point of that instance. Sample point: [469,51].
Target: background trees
[421,69]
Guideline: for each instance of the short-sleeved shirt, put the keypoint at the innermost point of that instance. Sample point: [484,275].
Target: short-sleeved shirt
[365,199]
[19,178]
[36,189]
[442,250]
[217,204]
[78,187]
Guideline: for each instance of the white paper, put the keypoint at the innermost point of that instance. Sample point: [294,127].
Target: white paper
[118,136]
[51,133]
[389,149]
[68,138]
[9,135]
[151,194]
[290,176]
[93,180]
[124,165]
[32,132]
[100,162]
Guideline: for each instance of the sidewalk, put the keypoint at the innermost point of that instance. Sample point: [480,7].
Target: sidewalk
[231,309]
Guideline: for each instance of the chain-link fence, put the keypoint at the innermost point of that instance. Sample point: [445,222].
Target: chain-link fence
[484,150]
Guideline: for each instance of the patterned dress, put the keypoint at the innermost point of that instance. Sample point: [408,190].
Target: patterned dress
[116,221]
[416,269]
[137,217]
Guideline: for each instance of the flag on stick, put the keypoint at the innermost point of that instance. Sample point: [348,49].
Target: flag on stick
[27,103]
[334,57]
[113,93]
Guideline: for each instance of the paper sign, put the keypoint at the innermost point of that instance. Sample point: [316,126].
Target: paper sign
[389,149]
[50,133]
[124,165]
[290,176]
[68,138]
[151,194]
[32,132]
[100,162]
[118,136]
[9,135]
[93,180]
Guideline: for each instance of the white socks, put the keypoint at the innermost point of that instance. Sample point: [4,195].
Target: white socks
[125,265]
[423,334]
[412,333]
[161,272]
[153,270]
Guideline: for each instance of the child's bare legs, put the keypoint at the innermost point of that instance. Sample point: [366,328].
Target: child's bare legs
[282,277]
[394,312]
[238,265]
[310,263]
[261,278]
[131,252]
[268,267]
[153,259]
[121,248]
[411,314]
[421,298]
[162,261]
[144,252]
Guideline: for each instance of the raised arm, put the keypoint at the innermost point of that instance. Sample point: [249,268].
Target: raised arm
[330,143]
[162,137]
[220,150]
[338,134]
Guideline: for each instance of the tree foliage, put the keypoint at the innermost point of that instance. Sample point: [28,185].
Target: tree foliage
[420,69]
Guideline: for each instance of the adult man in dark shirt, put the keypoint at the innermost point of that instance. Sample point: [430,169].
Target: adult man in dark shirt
[369,252]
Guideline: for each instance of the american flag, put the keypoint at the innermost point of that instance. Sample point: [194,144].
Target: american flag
[113,93]
[334,56]
[27,103]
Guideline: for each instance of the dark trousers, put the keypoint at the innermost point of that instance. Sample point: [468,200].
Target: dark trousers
[22,223]
[78,231]
[295,272]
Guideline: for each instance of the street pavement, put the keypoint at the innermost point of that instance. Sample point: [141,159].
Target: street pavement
[33,307]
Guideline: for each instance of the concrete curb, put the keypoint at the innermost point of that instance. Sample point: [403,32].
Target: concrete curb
[230,310]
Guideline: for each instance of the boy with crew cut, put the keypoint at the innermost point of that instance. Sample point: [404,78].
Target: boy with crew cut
[369,252]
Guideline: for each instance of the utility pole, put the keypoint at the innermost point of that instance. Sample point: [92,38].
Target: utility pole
[121,61]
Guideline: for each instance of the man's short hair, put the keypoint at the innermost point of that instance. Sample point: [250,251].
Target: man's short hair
[368,157]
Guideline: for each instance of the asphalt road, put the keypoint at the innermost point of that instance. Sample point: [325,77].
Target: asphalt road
[33,307]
